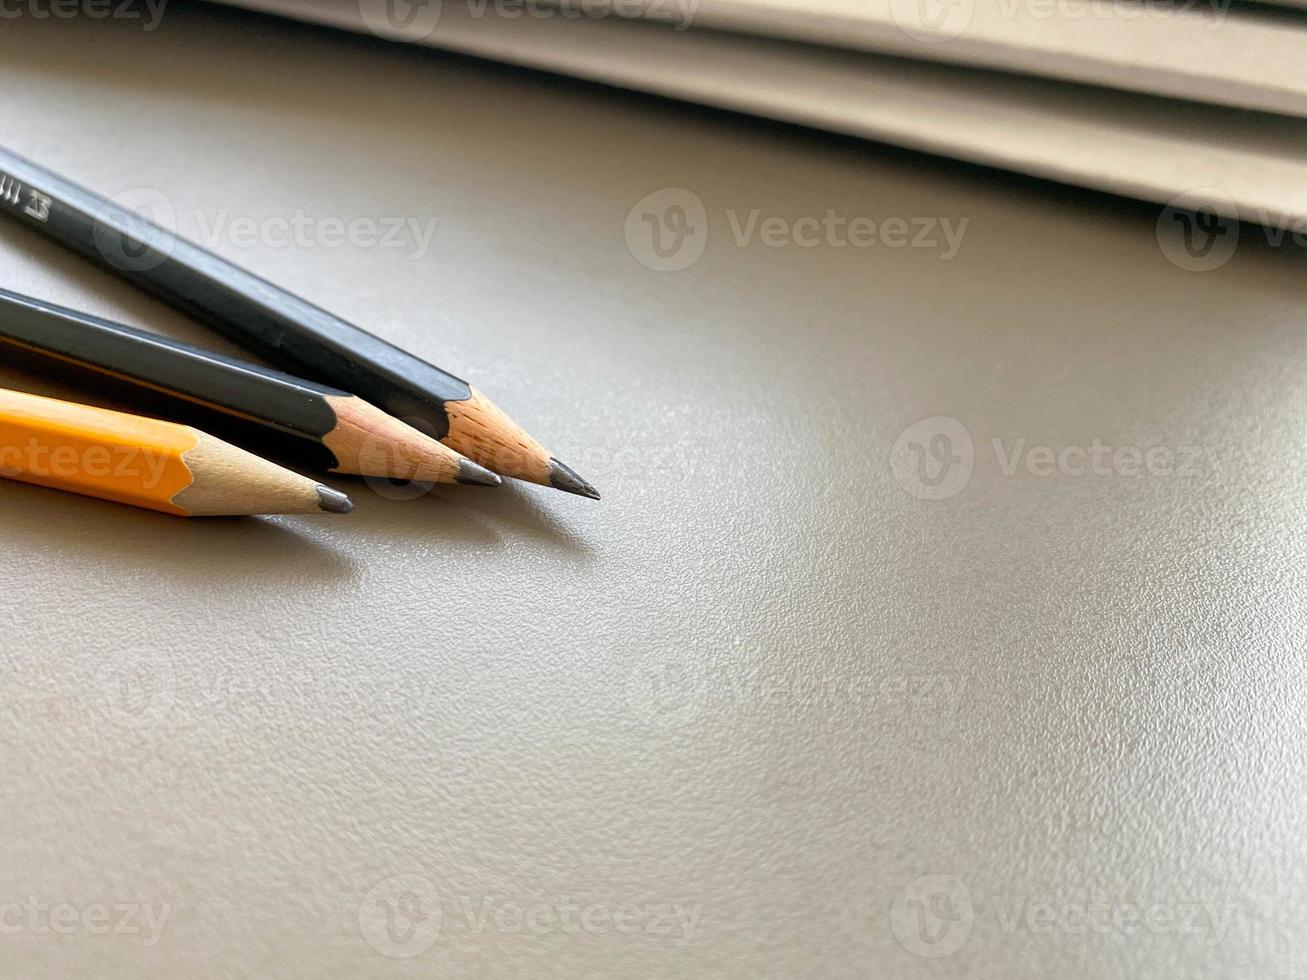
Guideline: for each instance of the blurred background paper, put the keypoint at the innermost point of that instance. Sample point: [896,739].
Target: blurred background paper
[1190,49]
[1250,165]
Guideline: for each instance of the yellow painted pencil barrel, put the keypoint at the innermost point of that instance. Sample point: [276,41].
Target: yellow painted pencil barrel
[146,462]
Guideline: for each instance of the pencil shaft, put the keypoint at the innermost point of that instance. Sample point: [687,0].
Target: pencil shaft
[284,328]
[273,399]
[146,462]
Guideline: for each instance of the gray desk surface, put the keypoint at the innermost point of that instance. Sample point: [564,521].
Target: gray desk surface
[767,710]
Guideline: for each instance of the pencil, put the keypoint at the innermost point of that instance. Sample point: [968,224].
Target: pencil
[147,463]
[333,430]
[283,328]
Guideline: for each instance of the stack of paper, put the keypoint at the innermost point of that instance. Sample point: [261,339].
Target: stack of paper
[1189,101]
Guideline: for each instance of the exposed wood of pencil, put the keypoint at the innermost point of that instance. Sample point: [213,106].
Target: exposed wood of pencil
[482,431]
[146,462]
[368,442]
[333,430]
[284,328]
[228,481]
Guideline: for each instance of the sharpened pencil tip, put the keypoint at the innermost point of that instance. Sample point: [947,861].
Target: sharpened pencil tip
[470,472]
[563,477]
[333,501]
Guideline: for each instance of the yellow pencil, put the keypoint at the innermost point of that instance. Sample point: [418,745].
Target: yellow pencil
[147,463]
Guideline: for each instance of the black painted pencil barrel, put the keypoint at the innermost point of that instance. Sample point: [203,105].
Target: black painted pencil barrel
[282,402]
[276,324]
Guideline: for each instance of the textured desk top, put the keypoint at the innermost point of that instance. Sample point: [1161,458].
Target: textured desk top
[820,689]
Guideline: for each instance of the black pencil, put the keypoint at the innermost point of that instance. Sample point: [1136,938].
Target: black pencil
[281,327]
[334,430]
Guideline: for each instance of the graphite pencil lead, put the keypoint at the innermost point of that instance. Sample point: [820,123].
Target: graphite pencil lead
[470,472]
[333,501]
[369,442]
[563,477]
[481,430]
